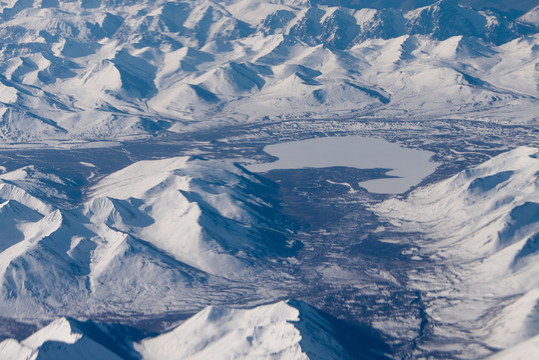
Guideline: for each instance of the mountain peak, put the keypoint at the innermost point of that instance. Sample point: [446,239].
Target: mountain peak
[221,332]
[62,339]
[68,72]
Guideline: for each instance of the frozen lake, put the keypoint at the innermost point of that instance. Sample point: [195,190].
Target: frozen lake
[409,166]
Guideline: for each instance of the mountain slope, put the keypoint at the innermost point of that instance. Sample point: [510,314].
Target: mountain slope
[479,251]
[266,331]
[183,225]
[284,330]
[110,70]
[67,339]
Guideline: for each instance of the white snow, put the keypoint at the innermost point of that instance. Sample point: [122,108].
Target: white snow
[107,73]
[531,17]
[525,350]
[182,225]
[481,226]
[95,73]
[60,340]
[222,333]
[282,330]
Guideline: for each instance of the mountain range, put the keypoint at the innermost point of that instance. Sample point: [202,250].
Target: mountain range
[480,292]
[120,70]
[181,231]
[131,227]
[482,229]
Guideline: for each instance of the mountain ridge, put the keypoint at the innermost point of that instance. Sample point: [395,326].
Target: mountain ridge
[291,329]
[481,227]
[183,228]
[111,71]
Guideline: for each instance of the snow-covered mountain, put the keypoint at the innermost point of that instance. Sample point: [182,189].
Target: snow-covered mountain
[92,70]
[283,330]
[191,224]
[118,256]
[198,232]
[62,339]
[481,230]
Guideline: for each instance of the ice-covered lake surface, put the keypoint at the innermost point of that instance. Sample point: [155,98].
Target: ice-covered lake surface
[408,166]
